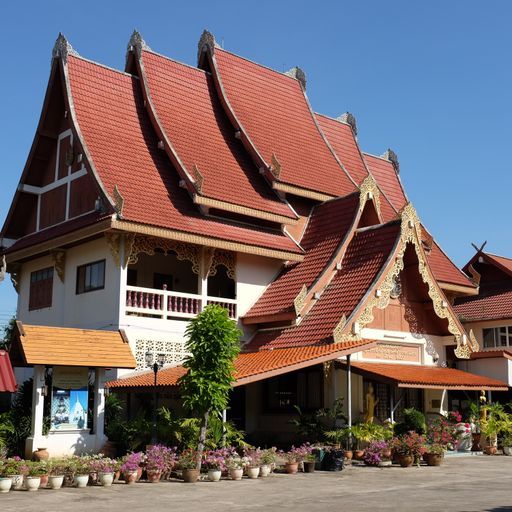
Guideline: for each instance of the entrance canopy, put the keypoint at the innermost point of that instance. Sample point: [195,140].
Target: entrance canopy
[432,377]
[58,346]
[7,379]
[255,366]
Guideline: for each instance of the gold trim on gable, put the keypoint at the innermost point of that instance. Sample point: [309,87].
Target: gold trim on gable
[302,192]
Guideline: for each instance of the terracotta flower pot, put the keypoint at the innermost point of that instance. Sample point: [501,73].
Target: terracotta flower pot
[405,460]
[490,450]
[387,453]
[349,454]
[359,454]
[433,459]
[139,473]
[40,454]
[190,476]
[44,481]
[130,477]
[309,466]
[154,476]
[292,467]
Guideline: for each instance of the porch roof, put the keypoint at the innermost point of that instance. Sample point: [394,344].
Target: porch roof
[254,366]
[7,379]
[432,377]
[59,346]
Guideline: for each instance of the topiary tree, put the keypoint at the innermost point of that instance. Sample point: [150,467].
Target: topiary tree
[213,344]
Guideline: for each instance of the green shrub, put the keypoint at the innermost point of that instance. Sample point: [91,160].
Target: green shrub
[414,420]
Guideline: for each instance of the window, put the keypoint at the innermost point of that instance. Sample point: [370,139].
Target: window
[498,337]
[304,389]
[41,289]
[90,277]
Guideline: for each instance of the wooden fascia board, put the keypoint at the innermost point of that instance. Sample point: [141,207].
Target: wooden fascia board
[453,387]
[266,319]
[466,290]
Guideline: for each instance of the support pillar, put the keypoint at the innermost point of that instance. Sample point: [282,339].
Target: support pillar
[99,407]
[36,431]
[349,391]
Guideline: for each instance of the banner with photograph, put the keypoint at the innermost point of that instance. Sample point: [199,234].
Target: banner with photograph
[70,398]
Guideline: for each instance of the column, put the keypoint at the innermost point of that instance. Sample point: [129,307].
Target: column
[349,391]
[99,407]
[36,431]
[203,278]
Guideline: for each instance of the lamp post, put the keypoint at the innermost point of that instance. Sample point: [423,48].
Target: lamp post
[156,363]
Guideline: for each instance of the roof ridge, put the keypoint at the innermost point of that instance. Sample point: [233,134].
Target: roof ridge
[166,57]
[337,119]
[105,66]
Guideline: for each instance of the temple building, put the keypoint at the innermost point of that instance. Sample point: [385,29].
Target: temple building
[152,192]
[489,315]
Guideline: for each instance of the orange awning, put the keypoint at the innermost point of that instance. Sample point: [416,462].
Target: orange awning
[433,377]
[255,366]
[59,346]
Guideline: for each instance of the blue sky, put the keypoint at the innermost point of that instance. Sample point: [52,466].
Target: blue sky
[432,80]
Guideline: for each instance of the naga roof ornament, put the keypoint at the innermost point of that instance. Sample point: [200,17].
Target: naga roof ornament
[206,42]
[137,43]
[393,158]
[299,74]
[62,48]
[350,119]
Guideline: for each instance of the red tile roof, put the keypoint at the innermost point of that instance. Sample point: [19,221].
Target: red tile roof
[436,377]
[444,269]
[388,179]
[276,115]
[365,257]
[253,366]
[328,225]
[119,136]
[196,125]
[497,306]
[7,379]
[485,354]
[502,262]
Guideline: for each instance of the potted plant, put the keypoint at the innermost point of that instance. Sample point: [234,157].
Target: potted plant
[408,448]
[18,479]
[33,478]
[215,463]
[434,454]
[493,421]
[253,458]
[506,442]
[56,472]
[81,470]
[8,469]
[292,459]
[155,462]
[130,467]
[235,465]
[187,462]
[268,460]
[377,454]
[105,469]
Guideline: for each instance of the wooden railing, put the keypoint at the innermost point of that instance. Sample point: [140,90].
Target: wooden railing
[168,304]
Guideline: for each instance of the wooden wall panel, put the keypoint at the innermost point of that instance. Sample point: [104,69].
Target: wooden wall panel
[83,195]
[53,207]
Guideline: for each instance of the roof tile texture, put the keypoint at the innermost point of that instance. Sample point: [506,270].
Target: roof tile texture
[123,145]
[327,227]
[276,115]
[7,378]
[75,347]
[194,121]
[415,375]
[366,255]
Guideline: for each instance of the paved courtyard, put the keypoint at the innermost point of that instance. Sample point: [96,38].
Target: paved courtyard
[462,484]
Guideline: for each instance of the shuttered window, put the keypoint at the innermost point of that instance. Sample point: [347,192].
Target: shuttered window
[41,289]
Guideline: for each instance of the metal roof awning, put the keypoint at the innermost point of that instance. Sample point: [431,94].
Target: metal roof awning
[431,377]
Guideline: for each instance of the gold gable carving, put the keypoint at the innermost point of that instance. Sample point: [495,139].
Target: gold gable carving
[198,179]
[299,301]
[276,166]
[369,186]
[118,201]
[410,233]
[337,334]
[148,244]
[226,258]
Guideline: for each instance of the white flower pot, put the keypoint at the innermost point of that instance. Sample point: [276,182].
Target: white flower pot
[236,474]
[265,470]
[56,481]
[253,472]
[507,450]
[5,484]
[106,479]
[81,481]
[214,475]
[17,482]
[33,483]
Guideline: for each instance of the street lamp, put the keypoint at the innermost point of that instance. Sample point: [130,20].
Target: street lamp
[156,363]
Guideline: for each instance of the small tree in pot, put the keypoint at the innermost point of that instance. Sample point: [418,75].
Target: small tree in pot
[213,344]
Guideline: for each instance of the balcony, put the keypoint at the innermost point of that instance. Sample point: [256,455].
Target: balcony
[166,305]
[177,285]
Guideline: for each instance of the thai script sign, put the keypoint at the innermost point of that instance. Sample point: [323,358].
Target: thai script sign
[394,352]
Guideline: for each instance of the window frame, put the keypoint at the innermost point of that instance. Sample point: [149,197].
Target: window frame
[84,266]
[31,294]
[497,333]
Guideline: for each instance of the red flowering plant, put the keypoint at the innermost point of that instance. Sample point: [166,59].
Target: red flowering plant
[445,431]
[412,444]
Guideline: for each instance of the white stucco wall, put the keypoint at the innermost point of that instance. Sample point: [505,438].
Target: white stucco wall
[494,367]
[95,310]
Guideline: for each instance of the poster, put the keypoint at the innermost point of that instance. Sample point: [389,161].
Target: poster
[69,398]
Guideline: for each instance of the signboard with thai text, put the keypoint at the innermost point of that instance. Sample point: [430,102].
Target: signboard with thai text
[394,352]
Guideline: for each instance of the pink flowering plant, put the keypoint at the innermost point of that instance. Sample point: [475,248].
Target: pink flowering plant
[216,459]
[132,462]
[305,452]
[373,453]
[412,444]
[254,456]
[160,458]
[9,467]
[103,465]
[445,431]
[292,456]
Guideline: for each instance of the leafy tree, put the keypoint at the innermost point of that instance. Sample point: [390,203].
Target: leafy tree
[8,335]
[213,344]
